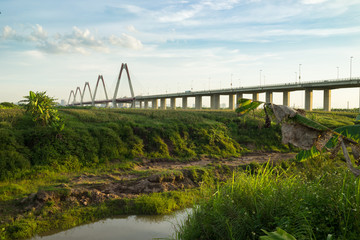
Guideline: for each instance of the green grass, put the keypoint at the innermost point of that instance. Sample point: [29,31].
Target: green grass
[96,136]
[102,141]
[305,205]
[333,119]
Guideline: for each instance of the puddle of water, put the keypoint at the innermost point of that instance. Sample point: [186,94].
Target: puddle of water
[124,227]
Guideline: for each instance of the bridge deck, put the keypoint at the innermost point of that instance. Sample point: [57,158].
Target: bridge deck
[315,85]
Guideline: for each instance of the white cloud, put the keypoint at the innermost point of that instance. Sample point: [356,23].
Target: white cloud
[313,1]
[180,16]
[313,32]
[195,10]
[78,41]
[131,28]
[220,5]
[38,33]
[11,35]
[126,41]
[34,54]
[8,32]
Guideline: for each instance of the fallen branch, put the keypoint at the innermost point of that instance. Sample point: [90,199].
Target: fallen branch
[355,171]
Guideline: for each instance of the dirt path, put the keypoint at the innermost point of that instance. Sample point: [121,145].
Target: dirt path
[247,159]
[148,177]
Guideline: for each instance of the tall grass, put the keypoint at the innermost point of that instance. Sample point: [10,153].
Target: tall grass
[273,197]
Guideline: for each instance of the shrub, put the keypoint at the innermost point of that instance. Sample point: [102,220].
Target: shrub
[42,109]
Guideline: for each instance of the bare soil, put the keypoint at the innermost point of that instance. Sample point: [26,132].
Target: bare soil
[150,176]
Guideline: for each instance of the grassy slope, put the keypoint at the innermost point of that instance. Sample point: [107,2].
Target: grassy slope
[94,136]
[34,158]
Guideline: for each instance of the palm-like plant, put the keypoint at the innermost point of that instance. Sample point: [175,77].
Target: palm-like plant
[309,135]
[42,109]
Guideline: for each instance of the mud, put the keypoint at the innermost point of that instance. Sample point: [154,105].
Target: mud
[148,177]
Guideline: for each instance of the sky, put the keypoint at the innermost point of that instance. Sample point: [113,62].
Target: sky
[175,46]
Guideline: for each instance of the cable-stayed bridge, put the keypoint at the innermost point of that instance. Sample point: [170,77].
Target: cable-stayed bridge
[152,101]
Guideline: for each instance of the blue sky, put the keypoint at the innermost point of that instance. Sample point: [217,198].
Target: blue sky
[173,46]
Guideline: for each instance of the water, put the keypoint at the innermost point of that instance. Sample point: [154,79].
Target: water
[125,227]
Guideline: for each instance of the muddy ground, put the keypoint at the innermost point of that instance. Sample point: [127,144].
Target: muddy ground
[149,176]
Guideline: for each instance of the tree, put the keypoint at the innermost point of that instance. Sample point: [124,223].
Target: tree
[42,109]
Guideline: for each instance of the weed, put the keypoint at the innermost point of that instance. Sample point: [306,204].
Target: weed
[305,207]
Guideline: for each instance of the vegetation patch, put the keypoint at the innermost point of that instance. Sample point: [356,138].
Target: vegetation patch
[105,162]
[305,206]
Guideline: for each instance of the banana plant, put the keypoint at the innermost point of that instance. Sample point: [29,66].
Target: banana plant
[246,105]
[42,109]
[309,135]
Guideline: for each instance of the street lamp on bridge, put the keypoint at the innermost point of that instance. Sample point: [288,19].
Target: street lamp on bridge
[300,72]
[351,65]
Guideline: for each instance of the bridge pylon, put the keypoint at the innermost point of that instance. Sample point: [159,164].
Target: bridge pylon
[100,77]
[83,93]
[76,91]
[73,94]
[123,66]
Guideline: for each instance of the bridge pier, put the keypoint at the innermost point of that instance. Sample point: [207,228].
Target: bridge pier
[327,100]
[146,104]
[140,104]
[308,99]
[198,102]
[286,98]
[215,101]
[231,102]
[184,102]
[163,103]
[238,97]
[155,103]
[269,97]
[173,103]
[255,97]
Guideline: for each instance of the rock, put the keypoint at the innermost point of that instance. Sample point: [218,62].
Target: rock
[155,178]
[84,201]
[44,196]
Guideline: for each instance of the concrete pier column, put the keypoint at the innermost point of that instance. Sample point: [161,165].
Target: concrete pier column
[163,103]
[308,99]
[255,97]
[146,104]
[327,100]
[231,102]
[198,102]
[184,102]
[238,96]
[215,101]
[269,97]
[212,102]
[173,103]
[140,104]
[286,98]
[155,103]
